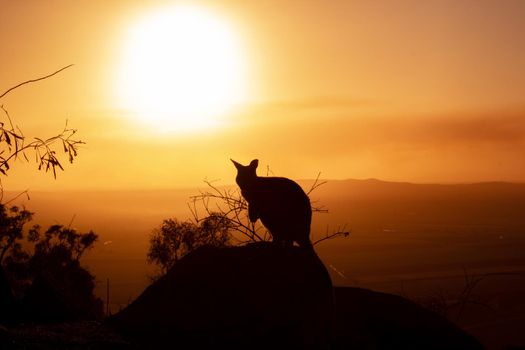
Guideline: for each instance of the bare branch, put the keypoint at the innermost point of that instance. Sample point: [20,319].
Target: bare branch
[26,192]
[331,235]
[316,184]
[231,205]
[34,80]
[444,304]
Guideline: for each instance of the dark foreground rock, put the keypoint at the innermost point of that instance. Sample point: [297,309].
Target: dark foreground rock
[253,297]
[259,296]
[85,335]
[264,297]
[373,320]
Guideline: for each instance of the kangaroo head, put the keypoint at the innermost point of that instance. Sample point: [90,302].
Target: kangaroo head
[245,173]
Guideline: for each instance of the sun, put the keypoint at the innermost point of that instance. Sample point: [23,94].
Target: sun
[182,69]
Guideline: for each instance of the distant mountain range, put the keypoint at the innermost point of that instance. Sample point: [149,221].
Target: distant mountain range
[349,201]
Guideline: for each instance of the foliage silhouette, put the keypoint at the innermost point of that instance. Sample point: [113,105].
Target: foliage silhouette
[51,269]
[51,266]
[12,221]
[174,239]
[13,142]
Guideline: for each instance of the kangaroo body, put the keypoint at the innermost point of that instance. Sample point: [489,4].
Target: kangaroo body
[280,203]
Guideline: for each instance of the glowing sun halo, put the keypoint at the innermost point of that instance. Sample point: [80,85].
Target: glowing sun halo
[182,69]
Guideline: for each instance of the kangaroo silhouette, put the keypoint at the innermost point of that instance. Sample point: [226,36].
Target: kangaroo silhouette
[280,203]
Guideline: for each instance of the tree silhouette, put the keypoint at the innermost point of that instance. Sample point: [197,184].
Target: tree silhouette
[174,239]
[50,258]
[41,264]
[12,221]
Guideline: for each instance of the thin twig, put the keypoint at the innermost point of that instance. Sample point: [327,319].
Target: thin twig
[71,222]
[316,184]
[8,117]
[233,207]
[26,192]
[34,80]
[332,236]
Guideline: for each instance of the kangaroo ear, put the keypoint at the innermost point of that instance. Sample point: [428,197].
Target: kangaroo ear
[254,163]
[237,165]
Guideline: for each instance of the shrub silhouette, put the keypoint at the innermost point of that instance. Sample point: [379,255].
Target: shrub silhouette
[174,239]
[50,274]
[55,259]
[12,221]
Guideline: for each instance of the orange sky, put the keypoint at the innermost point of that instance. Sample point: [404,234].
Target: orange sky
[422,91]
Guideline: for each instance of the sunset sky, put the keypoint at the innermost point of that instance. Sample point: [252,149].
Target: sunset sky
[419,91]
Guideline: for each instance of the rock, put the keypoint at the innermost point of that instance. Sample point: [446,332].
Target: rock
[261,296]
[373,320]
[258,296]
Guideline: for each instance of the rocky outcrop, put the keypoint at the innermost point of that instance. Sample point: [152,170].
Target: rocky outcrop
[261,296]
[258,296]
[371,320]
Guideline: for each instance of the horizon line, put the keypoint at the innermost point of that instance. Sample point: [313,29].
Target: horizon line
[203,184]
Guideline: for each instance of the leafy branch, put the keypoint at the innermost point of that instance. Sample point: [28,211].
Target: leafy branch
[13,141]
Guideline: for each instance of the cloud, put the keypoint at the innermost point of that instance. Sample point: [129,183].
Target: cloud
[319,102]
[500,128]
[421,131]
[454,147]
[348,122]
